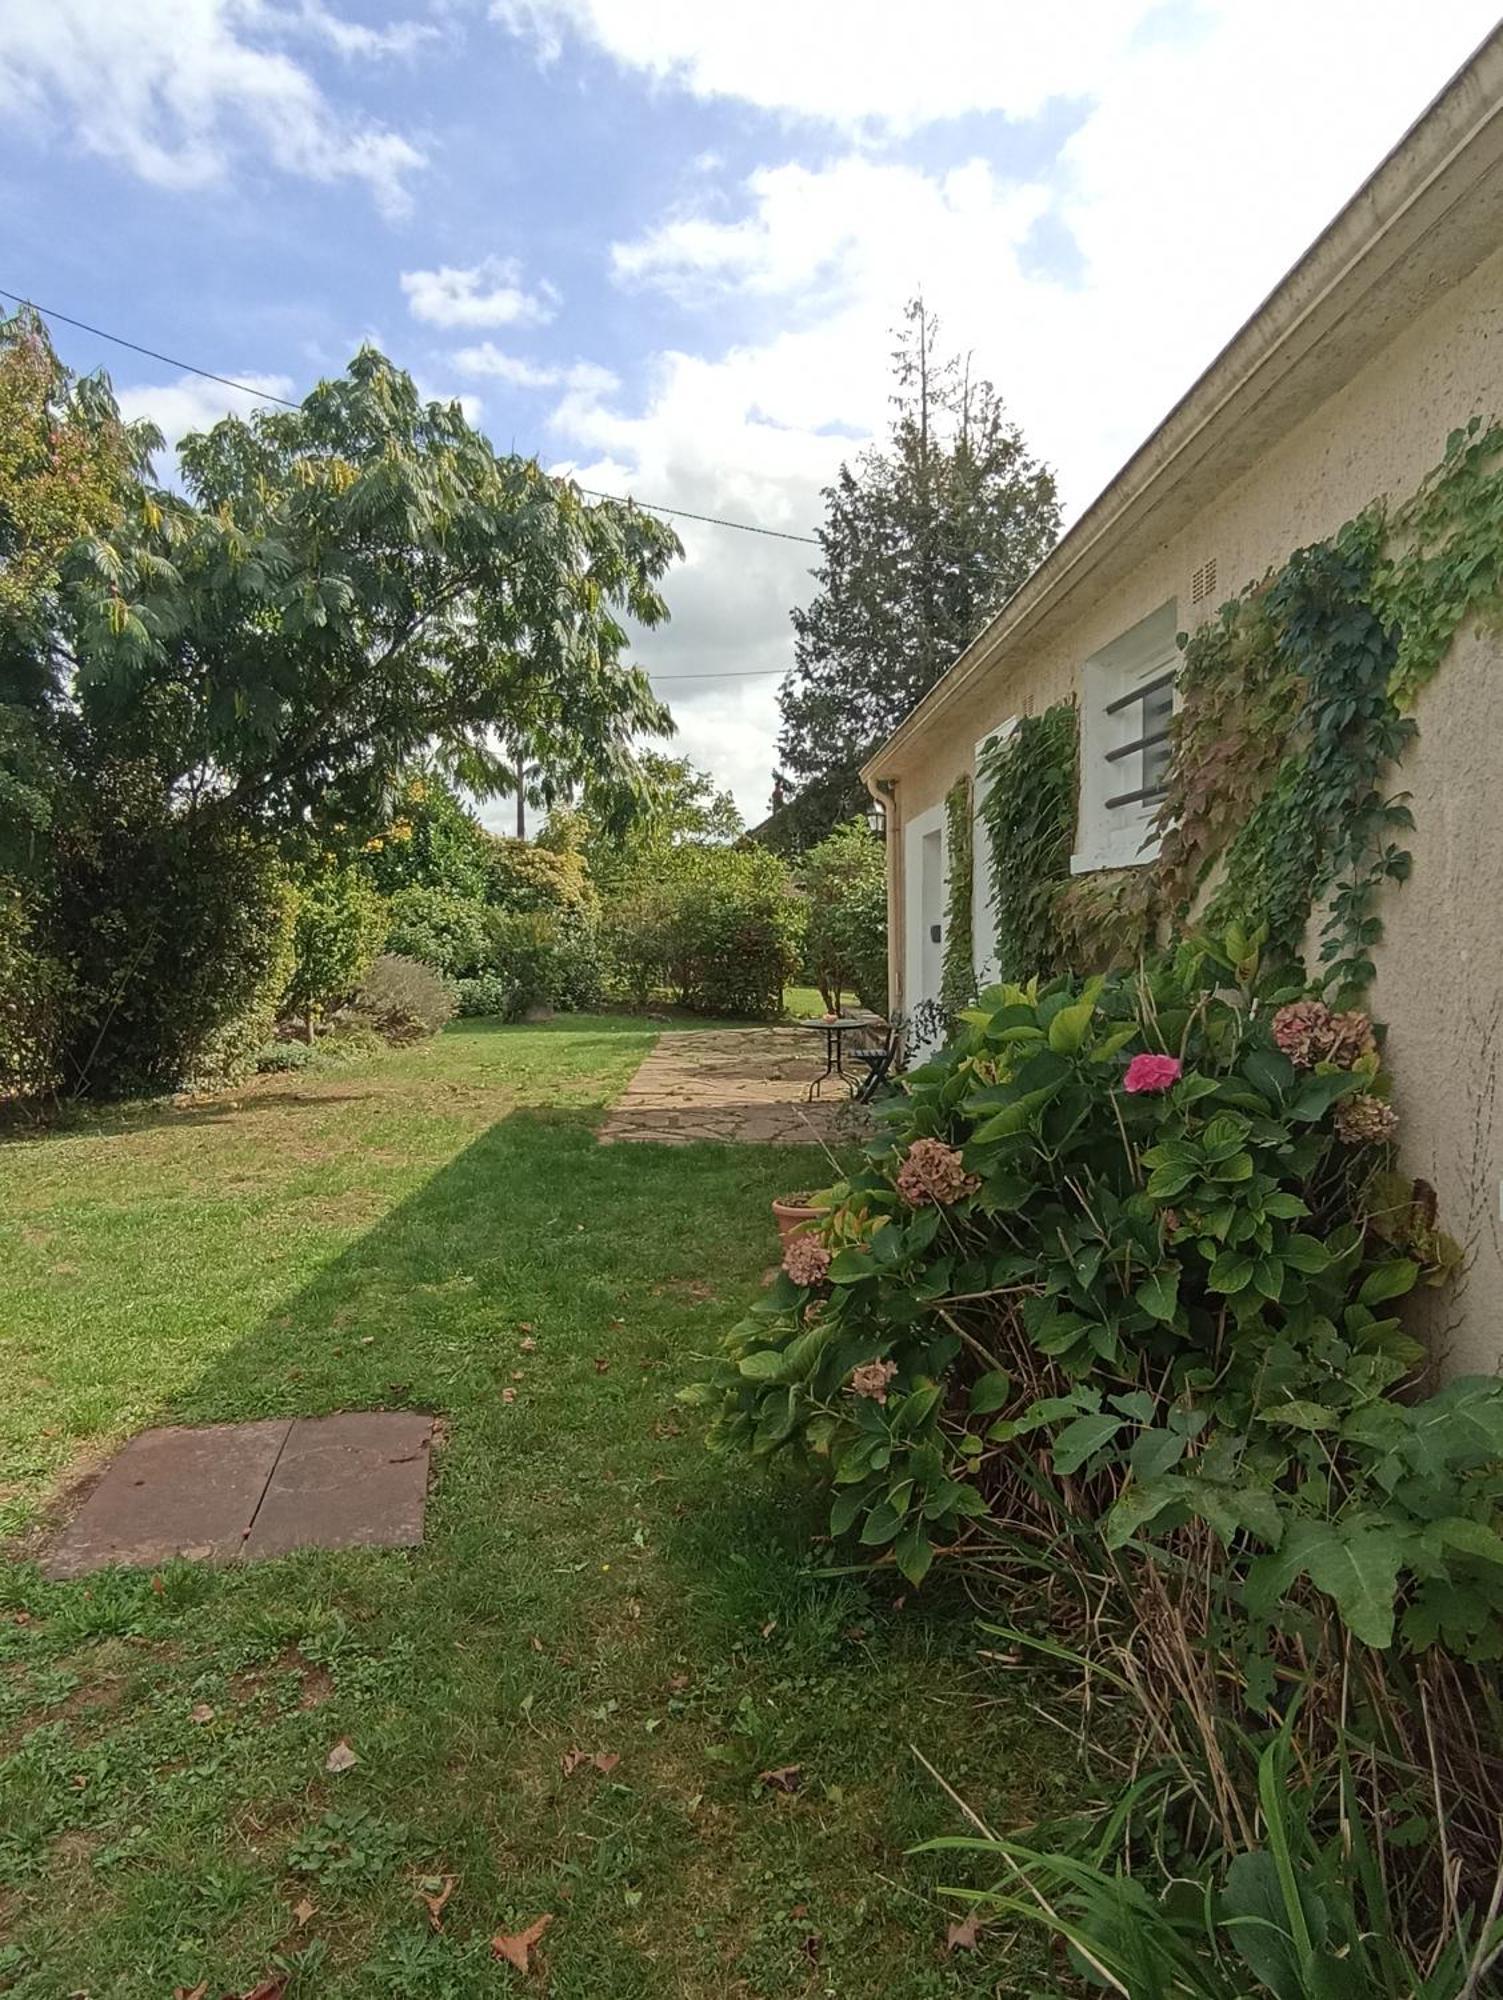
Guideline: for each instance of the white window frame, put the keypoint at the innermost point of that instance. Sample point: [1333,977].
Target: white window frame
[1119,743]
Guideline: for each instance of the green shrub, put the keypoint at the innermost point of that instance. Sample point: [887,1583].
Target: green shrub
[339,926]
[175,932]
[487,994]
[845,881]
[401,999]
[525,875]
[1142,1237]
[447,932]
[720,928]
[33,995]
[524,949]
[279,1056]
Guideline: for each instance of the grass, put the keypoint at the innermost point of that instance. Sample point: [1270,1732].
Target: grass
[592,1578]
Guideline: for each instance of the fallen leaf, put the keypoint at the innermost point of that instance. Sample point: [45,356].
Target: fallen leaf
[787,1778]
[524,1326]
[516,1375]
[769,1628]
[962,1937]
[269,1989]
[508,1395]
[602,1366]
[304,1912]
[202,1713]
[537,1644]
[158,1585]
[812,1947]
[529,1345]
[341,1757]
[517,1950]
[437,1897]
[191,1992]
[571,1761]
[605,1761]
[677,1683]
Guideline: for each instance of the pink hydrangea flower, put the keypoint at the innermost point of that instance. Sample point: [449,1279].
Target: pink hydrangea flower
[932,1173]
[806,1259]
[1148,1075]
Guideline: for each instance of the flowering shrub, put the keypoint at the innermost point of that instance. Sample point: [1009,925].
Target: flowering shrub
[1137,1244]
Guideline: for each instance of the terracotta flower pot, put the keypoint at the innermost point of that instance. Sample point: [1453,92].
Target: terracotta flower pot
[793,1215]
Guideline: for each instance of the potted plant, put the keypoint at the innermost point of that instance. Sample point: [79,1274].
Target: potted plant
[795,1213]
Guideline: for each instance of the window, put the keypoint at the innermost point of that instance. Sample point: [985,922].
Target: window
[1127,702]
[1146,758]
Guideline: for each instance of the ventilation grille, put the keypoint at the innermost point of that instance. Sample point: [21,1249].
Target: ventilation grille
[1203,583]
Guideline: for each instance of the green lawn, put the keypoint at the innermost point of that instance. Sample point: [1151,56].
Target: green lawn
[592,1579]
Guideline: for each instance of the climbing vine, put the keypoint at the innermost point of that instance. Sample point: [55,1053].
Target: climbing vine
[958,978]
[1029,817]
[1280,799]
[1442,559]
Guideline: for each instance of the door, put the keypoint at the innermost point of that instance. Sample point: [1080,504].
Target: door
[923,944]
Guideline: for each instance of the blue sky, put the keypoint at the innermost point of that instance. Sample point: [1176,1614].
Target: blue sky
[661,241]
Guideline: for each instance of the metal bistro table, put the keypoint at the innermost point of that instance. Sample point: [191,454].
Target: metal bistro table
[834,1032]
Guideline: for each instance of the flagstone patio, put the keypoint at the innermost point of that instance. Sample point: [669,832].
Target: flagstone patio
[740,1086]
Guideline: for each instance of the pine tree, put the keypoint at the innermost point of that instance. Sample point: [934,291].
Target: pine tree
[923,540]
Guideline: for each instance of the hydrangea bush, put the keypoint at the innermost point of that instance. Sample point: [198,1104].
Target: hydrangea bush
[1130,1250]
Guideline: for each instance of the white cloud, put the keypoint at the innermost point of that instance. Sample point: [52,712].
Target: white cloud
[488,359]
[851,62]
[490,293]
[1202,170]
[398,39]
[180,92]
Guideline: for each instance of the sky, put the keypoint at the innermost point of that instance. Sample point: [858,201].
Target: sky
[662,243]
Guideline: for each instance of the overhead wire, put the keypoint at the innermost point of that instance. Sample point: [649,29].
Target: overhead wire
[270,396]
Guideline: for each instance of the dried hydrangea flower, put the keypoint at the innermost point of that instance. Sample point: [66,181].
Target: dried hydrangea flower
[1365,1120]
[871,1379]
[932,1174]
[806,1259]
[1309,1033]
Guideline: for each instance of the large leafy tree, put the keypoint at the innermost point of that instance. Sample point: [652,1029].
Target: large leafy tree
[347,586]
[680,806]
[923,539]
[244,671]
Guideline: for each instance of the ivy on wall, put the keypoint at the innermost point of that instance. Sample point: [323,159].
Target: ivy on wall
[1291,723]
[1029,817]
[957,986]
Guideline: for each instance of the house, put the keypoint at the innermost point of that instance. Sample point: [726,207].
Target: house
[1342,388]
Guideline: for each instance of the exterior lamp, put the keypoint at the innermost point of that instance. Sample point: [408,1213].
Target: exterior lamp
[876,818]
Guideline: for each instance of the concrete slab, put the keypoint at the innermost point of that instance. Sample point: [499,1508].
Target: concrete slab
[169,1493]
[356,1480]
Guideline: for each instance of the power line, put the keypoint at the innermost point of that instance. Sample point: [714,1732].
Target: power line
[269,396]
[735,674]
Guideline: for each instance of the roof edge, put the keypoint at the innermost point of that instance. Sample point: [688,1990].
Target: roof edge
[1453,121]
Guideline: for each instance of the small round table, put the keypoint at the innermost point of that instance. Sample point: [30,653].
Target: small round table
[834,1032]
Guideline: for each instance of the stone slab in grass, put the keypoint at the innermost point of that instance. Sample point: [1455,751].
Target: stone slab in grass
[357,1480]
[232,1491]
[173,1493]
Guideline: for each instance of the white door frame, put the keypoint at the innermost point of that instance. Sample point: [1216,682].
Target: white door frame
[916,919]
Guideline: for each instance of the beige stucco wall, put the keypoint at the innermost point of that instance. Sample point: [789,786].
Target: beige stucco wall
[1440,984]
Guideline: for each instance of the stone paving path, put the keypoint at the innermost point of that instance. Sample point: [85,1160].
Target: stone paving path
[742,1085]
[232,1491]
